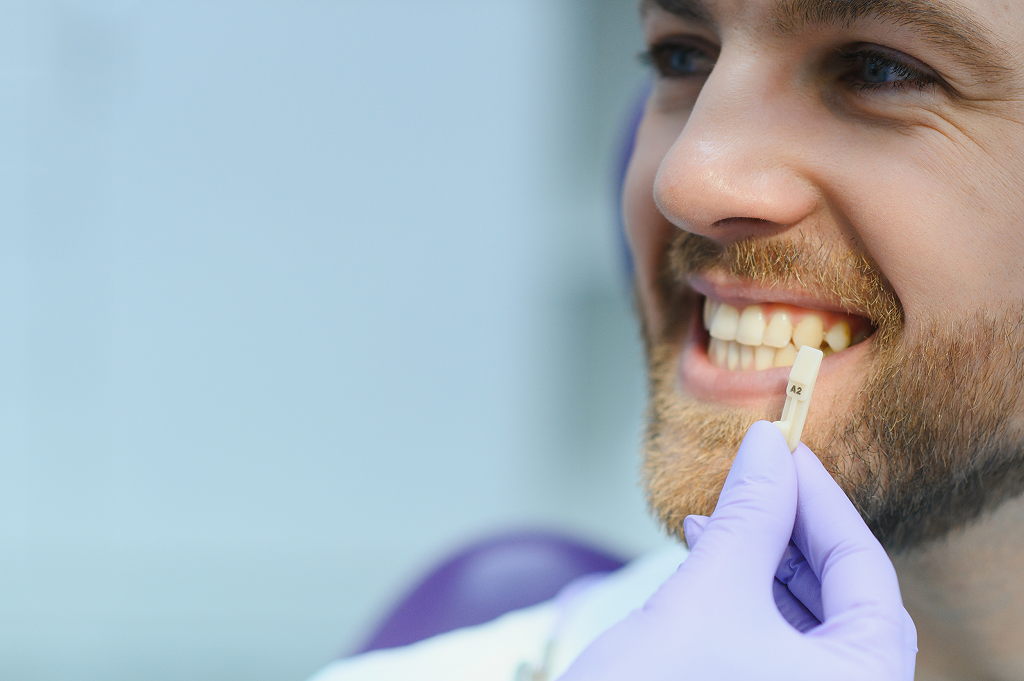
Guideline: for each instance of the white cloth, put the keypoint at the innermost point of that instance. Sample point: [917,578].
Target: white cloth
[547,636]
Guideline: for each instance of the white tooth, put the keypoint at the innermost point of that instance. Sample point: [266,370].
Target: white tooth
[709,312]
[717,352]
[733,358]
[838,337]
[750,330]
[746,357]
[779,330]
[810,331]
[785,356]
[764,357]
[723,324]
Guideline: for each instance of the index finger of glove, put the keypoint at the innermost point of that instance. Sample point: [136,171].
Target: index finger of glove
[853,568]
[752,523]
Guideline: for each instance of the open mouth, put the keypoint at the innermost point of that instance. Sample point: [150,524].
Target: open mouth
[769,335]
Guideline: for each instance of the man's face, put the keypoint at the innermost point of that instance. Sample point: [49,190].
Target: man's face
[821,163]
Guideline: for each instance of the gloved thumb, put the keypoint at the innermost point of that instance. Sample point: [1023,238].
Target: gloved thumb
[752,523]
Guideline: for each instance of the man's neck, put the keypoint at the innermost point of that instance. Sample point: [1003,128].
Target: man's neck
[966,595]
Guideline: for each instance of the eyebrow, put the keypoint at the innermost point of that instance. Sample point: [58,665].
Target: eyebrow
[944,26]
[693,10]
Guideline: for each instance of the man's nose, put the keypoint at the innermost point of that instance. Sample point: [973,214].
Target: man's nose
[736,170]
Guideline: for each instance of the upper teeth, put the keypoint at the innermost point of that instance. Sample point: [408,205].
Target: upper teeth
[745,339]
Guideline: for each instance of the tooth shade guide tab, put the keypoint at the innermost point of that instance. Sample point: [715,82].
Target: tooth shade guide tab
[799,391]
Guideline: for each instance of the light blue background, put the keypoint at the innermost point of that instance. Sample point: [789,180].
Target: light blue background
[296,297]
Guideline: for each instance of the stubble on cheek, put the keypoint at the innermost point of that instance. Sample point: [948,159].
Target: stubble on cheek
[937,438]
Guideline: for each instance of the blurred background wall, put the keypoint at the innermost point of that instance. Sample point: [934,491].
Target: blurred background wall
[296,297]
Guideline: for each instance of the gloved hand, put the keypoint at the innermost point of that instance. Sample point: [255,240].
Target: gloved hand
[749,603]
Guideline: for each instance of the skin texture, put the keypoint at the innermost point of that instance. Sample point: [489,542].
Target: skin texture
[771,146]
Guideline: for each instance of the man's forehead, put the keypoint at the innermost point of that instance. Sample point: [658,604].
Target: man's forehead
[948,24]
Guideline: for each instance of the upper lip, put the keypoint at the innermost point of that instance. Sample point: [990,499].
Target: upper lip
[724,288]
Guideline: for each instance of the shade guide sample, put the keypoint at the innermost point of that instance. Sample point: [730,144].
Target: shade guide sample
[798,394]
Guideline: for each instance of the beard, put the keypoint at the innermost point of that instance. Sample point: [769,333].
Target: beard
[930,439]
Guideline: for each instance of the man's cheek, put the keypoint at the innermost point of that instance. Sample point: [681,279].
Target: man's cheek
[649,237]
[836,403]
[648,231]
[924,223]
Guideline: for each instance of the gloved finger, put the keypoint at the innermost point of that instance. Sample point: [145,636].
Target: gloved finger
[800,580]
[693,528]
[851,565]
[790,607]
[751,526]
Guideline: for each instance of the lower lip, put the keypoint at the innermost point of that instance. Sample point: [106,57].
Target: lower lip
[704,381]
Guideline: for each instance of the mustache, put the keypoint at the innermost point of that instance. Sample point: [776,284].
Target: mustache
[850,279]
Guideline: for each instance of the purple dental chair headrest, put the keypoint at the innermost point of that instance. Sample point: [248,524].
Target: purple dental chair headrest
[487,579]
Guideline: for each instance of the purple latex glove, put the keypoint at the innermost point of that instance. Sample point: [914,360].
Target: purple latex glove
[780,585]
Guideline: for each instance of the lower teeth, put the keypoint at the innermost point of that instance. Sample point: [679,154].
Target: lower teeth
[738,357]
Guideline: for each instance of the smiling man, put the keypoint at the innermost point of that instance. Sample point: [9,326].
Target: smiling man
[843,174]
[849,175]
[834,171]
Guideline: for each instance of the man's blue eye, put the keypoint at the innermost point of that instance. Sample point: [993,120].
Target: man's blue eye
[678,61]
[682,61]
[875,71]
